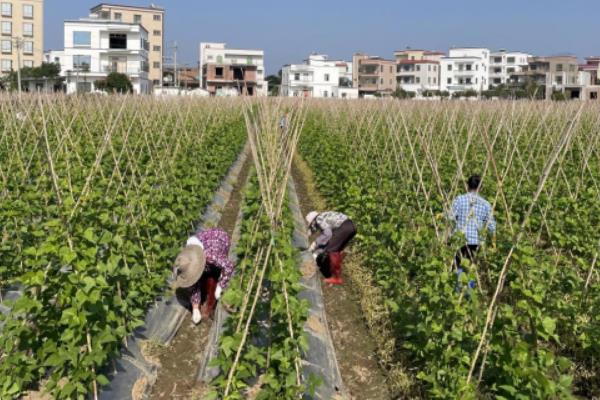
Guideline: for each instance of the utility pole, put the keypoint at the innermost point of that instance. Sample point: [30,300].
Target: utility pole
[175,62]
[19,45]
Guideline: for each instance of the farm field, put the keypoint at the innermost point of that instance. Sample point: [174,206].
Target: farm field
[98,195]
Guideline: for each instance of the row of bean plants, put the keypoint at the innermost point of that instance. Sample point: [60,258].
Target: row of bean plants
[96,197]
[530,326]
[260,352]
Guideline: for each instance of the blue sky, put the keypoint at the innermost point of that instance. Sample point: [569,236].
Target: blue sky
[289,31]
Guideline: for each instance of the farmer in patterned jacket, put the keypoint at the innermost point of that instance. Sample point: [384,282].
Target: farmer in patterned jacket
[204,269]
[336,232]
[472,215]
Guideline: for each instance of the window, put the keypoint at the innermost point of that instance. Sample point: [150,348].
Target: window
[325,93]
[391,69]
[137,19]
[117,41]
[118,16]
[435,68]
[82,39]
[27,11]
[6,65]
[326,77]
[6,28]
[381,81]
[28,63]
[296,77]
[510,60]
[497,70]
[82,62]
[497,81]
[429,67]
[418,67]
[28,47]
[449,81]
[156,33]
[105,15]
[429,80]
[156,48]
[418,80]
[219,72]
[497,60]
[6,46]
[559,68]
[157,17]
[510,70]
[156,64]
[449,67]
[559,80]
[468,67]
[27,29]
[476,67]
[435,81]
[6,9]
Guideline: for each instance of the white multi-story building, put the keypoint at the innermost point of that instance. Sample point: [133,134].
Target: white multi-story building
[465,69]
[317,77]
[225,72]
[418,70]
[505,63]
[95,47]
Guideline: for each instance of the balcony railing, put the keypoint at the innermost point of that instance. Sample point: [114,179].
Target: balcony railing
[123,70]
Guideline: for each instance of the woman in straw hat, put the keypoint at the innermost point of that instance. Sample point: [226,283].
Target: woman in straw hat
[336,232]
[204,268]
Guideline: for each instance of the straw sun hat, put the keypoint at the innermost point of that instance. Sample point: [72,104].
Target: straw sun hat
[189,266]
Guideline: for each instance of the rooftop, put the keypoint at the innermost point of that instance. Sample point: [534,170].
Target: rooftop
[151,7]
[418,62]
[104,22]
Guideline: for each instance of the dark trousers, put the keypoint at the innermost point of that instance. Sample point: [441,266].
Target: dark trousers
[469,252]
[338,242]
[341,237]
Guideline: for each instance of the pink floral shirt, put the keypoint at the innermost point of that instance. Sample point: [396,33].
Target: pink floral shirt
[216,244]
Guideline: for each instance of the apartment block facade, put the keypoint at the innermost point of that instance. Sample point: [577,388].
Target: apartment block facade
[465,69]
[556,73]
[505,63]
[94,48]
[21,34]
[373,75]
[232,72]
[317,77]
[152,18]
[418,70]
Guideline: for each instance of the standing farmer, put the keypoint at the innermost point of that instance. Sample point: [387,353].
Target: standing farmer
[472,215]
[204,269]
[336,232]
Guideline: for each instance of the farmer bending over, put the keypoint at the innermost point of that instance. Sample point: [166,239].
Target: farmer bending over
[204,268]
[472,214]
[336,232]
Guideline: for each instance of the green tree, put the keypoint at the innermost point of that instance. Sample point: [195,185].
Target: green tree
[402,94]
[115,82]
[274,83]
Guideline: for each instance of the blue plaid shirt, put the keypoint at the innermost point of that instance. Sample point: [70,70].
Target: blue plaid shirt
[472,213]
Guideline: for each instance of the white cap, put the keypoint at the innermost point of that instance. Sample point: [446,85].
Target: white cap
[311,216]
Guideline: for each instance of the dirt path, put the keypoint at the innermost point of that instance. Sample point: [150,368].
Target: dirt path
[180,360]
[355,350]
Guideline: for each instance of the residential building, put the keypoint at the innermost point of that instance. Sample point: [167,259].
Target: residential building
[418,70]
[95,47]
[152,18]
[373,75]
[21,34]
[554,74]
[505,63]
[317,77]
[592,65]
[465,69]
[187,76]
[232,72]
